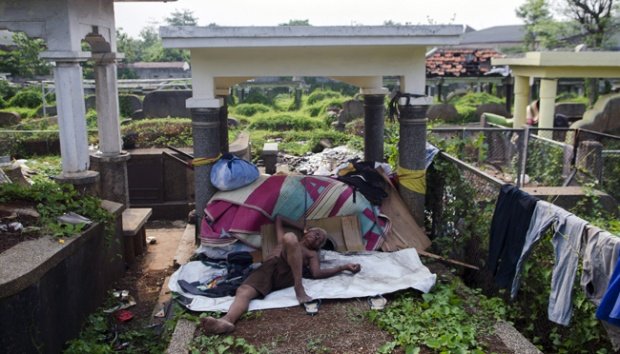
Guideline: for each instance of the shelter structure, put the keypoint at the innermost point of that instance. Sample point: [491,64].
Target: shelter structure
[359,55]
[549,67]
[64,24]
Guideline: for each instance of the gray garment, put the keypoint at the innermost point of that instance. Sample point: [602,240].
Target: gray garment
[543,216]
[600,255]
[566,241]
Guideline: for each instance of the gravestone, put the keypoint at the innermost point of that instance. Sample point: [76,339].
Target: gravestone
[443,111]
[161,104]
[495,108]
[351,110]
[90,103]
[49,111]
[129,104]
[9,118]
[603,117]
[570,109]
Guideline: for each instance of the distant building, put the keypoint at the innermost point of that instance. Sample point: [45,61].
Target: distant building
[494,37]
[158,70]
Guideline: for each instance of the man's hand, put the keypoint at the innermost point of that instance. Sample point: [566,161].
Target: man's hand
[352,267]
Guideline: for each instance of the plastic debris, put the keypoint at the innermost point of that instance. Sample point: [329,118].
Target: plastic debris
[73,218]
[151,240]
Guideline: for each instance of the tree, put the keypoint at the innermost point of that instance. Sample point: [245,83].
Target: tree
[540,28]
[23,60]
[183,17]
[296,23]
[595,18]
[130,47]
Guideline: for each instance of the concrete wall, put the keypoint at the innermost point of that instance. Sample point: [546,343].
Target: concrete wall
[46,306]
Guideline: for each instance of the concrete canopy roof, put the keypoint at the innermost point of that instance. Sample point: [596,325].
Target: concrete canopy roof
[564,64]
[358,55]
[302,36]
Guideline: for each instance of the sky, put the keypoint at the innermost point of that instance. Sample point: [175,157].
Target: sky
[479,14]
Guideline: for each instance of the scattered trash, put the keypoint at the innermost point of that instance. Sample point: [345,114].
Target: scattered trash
[123,315]
[151,240]
[322,162]
[160,314]
[125,301]
[73,218]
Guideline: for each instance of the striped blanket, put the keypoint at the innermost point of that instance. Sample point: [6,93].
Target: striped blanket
[240,213]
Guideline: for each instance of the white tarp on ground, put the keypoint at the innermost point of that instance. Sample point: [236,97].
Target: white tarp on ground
[381,273]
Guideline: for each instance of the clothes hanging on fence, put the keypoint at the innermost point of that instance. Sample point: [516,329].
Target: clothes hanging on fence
[569,230]
[600,255]
[542,219]
[568,234]
[609,310]
[511,219]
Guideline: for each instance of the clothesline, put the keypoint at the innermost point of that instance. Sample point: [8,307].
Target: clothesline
[520,220]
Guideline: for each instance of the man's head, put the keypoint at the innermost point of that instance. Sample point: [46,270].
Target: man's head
[315,238]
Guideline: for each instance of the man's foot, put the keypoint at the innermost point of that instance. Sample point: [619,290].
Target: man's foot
[212,325]
[302,296]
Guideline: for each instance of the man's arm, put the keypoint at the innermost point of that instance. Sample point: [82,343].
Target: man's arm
[318,273]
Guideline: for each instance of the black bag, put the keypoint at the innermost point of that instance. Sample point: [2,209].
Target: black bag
[366,180]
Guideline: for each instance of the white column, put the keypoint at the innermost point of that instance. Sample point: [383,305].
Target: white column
[110,142]
[548,91]
[522,97]
[71,117]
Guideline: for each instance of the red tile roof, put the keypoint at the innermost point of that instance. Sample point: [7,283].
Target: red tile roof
[460,62]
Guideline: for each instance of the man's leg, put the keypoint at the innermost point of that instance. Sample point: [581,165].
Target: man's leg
[240,304]
[292,253]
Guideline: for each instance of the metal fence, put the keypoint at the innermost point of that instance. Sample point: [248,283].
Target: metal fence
[532,156]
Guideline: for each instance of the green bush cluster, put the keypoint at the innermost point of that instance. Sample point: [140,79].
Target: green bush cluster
[27,99]
[321,95]
[159,132]
[250,109]
[320,108]
[285,121]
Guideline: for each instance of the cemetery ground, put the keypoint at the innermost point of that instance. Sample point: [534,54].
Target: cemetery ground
[446,318]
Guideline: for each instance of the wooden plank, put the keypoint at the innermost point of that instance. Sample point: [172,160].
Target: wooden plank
[352,233]
[405,232]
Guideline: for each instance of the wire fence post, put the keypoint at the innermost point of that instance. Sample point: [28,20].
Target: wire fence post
[523,156]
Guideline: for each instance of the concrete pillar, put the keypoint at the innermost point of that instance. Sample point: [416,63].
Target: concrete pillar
[411,162]
[374,118]
[548,92]
[223,94]
[522,98]
[71,117]
[207,142]
[108,123]
[113,184]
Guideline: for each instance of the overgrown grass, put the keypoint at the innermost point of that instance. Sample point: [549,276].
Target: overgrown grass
[450,319]
[158,132]
[285,121]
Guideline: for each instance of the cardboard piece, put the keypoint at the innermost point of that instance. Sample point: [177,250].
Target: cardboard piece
[405,232]
[344,232]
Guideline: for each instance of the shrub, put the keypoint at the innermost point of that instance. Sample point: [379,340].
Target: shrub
[256,95]
[158,132]
[91,119]
[466,105]
[27,99]
[250,109]
[2,102]
[285,121]
[7,90]
[321,107]
[320,95]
